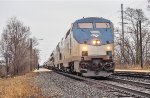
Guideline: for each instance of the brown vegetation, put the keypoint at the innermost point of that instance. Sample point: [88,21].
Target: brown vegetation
[17,48]
[19,87]
[132,67]
[128,50]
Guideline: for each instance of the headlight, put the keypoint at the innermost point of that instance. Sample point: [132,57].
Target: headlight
[84,48]
[94,42]
[98,42]
[108,47]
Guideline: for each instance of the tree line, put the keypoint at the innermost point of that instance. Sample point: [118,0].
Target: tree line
[129,55]
[17,49]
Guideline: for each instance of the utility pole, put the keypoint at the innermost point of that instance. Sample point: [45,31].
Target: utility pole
[137,39]
[141,44]
[35,60]
[122,33]
[30,54]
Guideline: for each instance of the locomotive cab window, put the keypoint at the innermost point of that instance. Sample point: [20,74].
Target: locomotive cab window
[102,25]
[84,53]
[109,52]
[85,25]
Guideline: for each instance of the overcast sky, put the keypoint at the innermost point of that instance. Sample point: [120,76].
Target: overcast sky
[50,19]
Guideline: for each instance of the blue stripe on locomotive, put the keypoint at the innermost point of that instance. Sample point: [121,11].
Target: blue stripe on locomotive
[82,35]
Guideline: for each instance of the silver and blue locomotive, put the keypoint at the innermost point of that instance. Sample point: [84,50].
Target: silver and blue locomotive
[86,49]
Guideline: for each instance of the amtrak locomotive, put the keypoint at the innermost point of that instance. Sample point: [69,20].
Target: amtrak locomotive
[86,49]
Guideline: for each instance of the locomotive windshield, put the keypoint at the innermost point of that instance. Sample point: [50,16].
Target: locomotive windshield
[85,25]
[102,25]
[90,25]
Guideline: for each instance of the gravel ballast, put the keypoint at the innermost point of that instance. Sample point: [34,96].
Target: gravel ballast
[54,85]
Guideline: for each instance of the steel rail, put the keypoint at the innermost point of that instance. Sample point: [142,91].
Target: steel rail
[139,84]
[135,75]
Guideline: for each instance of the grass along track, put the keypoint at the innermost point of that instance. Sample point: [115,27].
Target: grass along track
[19,87]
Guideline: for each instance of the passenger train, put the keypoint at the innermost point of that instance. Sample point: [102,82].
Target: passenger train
[86,49]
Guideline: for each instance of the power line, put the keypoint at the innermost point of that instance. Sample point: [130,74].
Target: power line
[130,3]
[138,4]
[113,14]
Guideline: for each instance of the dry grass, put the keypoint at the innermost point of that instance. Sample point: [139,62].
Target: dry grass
[19,87]
[132,67]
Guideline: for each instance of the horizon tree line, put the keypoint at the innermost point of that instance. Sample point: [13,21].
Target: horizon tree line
[131,55]
[16,50]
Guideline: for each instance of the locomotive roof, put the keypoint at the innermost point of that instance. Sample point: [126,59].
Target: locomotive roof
[92,19]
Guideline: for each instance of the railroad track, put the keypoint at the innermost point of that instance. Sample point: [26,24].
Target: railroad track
[128,92]
[139,84]
[142,76]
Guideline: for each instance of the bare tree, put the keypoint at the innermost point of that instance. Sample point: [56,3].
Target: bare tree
[14,46]
[132,37]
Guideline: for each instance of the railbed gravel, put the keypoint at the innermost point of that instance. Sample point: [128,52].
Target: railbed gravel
[54,85]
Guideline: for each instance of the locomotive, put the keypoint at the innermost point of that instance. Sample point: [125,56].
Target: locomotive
[86,49]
